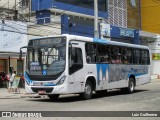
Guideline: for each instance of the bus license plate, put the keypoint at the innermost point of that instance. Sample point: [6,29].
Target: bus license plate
[41,92]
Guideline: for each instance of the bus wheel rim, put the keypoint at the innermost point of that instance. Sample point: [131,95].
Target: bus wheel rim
[88,90]
[131,86]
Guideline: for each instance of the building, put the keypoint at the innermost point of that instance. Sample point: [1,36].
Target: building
[13,35]
[119,20]
[151,24]
[76,17]
[150,17]
[40,23]
[8,9]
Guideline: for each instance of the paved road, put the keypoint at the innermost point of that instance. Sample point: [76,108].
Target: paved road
[146,98]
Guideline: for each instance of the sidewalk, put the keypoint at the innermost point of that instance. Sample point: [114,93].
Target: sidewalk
[5,94]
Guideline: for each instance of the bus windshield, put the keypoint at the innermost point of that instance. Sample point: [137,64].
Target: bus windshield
[46,56]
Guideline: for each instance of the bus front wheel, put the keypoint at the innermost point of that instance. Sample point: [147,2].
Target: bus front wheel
[54,97]
[88,91]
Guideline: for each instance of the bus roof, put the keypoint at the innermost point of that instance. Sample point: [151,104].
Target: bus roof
[109,42]
[96,40]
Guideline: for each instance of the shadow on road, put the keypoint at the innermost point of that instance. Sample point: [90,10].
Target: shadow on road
[75,98]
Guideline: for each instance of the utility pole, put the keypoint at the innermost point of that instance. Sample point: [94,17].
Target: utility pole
[15,12]
[29,10]
[96,33]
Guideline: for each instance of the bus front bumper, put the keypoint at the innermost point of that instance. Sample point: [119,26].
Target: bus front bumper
[45,90]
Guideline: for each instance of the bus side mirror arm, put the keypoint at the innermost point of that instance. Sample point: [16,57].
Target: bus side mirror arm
[20,53]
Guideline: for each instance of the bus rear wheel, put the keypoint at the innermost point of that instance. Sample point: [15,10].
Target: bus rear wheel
[54,97]
[131,87]
[88,91]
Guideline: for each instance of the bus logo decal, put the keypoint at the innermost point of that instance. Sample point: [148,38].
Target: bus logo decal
[102,70]
[44,72]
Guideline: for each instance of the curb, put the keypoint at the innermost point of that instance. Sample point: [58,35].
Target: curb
[30,95]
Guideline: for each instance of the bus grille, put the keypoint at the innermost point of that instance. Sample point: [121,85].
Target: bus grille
[48,90]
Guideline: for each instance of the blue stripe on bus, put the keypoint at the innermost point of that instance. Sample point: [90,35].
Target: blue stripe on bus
[99,40]
[137,74]
[103,68]
[27,78]
[49,85]
[29,81]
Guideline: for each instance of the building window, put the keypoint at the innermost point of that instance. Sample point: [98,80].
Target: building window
[133,3]
[25,2]
[43,16]
[117,12]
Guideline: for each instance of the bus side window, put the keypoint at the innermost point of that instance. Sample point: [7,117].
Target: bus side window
[127,55]
[76,60]
[137,57]
[103,54]
[91,51]
[124,56]
[145,57]
[116,55]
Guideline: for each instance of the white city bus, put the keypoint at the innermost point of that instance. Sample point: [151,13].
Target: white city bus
[68,64]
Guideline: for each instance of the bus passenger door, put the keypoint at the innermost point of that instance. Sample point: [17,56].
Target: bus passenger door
[75,67]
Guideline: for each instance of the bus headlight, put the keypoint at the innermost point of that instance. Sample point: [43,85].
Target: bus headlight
[61,81]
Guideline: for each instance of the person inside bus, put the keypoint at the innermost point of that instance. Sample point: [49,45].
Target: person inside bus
[105,59]
[116,56]
[124,56]
[116,59]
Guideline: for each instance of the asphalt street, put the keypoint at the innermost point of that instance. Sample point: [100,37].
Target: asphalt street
[145,98]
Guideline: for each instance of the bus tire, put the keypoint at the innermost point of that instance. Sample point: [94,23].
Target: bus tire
[88,91]
[131,86]
[54,97]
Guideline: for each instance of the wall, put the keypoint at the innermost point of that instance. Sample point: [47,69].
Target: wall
[77,26]
[44,29]
[8,4]
[13,63]
[38,5]
[12,36]
[133,14]
[2,65]
[150,15]
[155,48]
[85,27]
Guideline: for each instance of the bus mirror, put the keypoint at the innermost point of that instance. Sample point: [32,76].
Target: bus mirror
[20,55]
